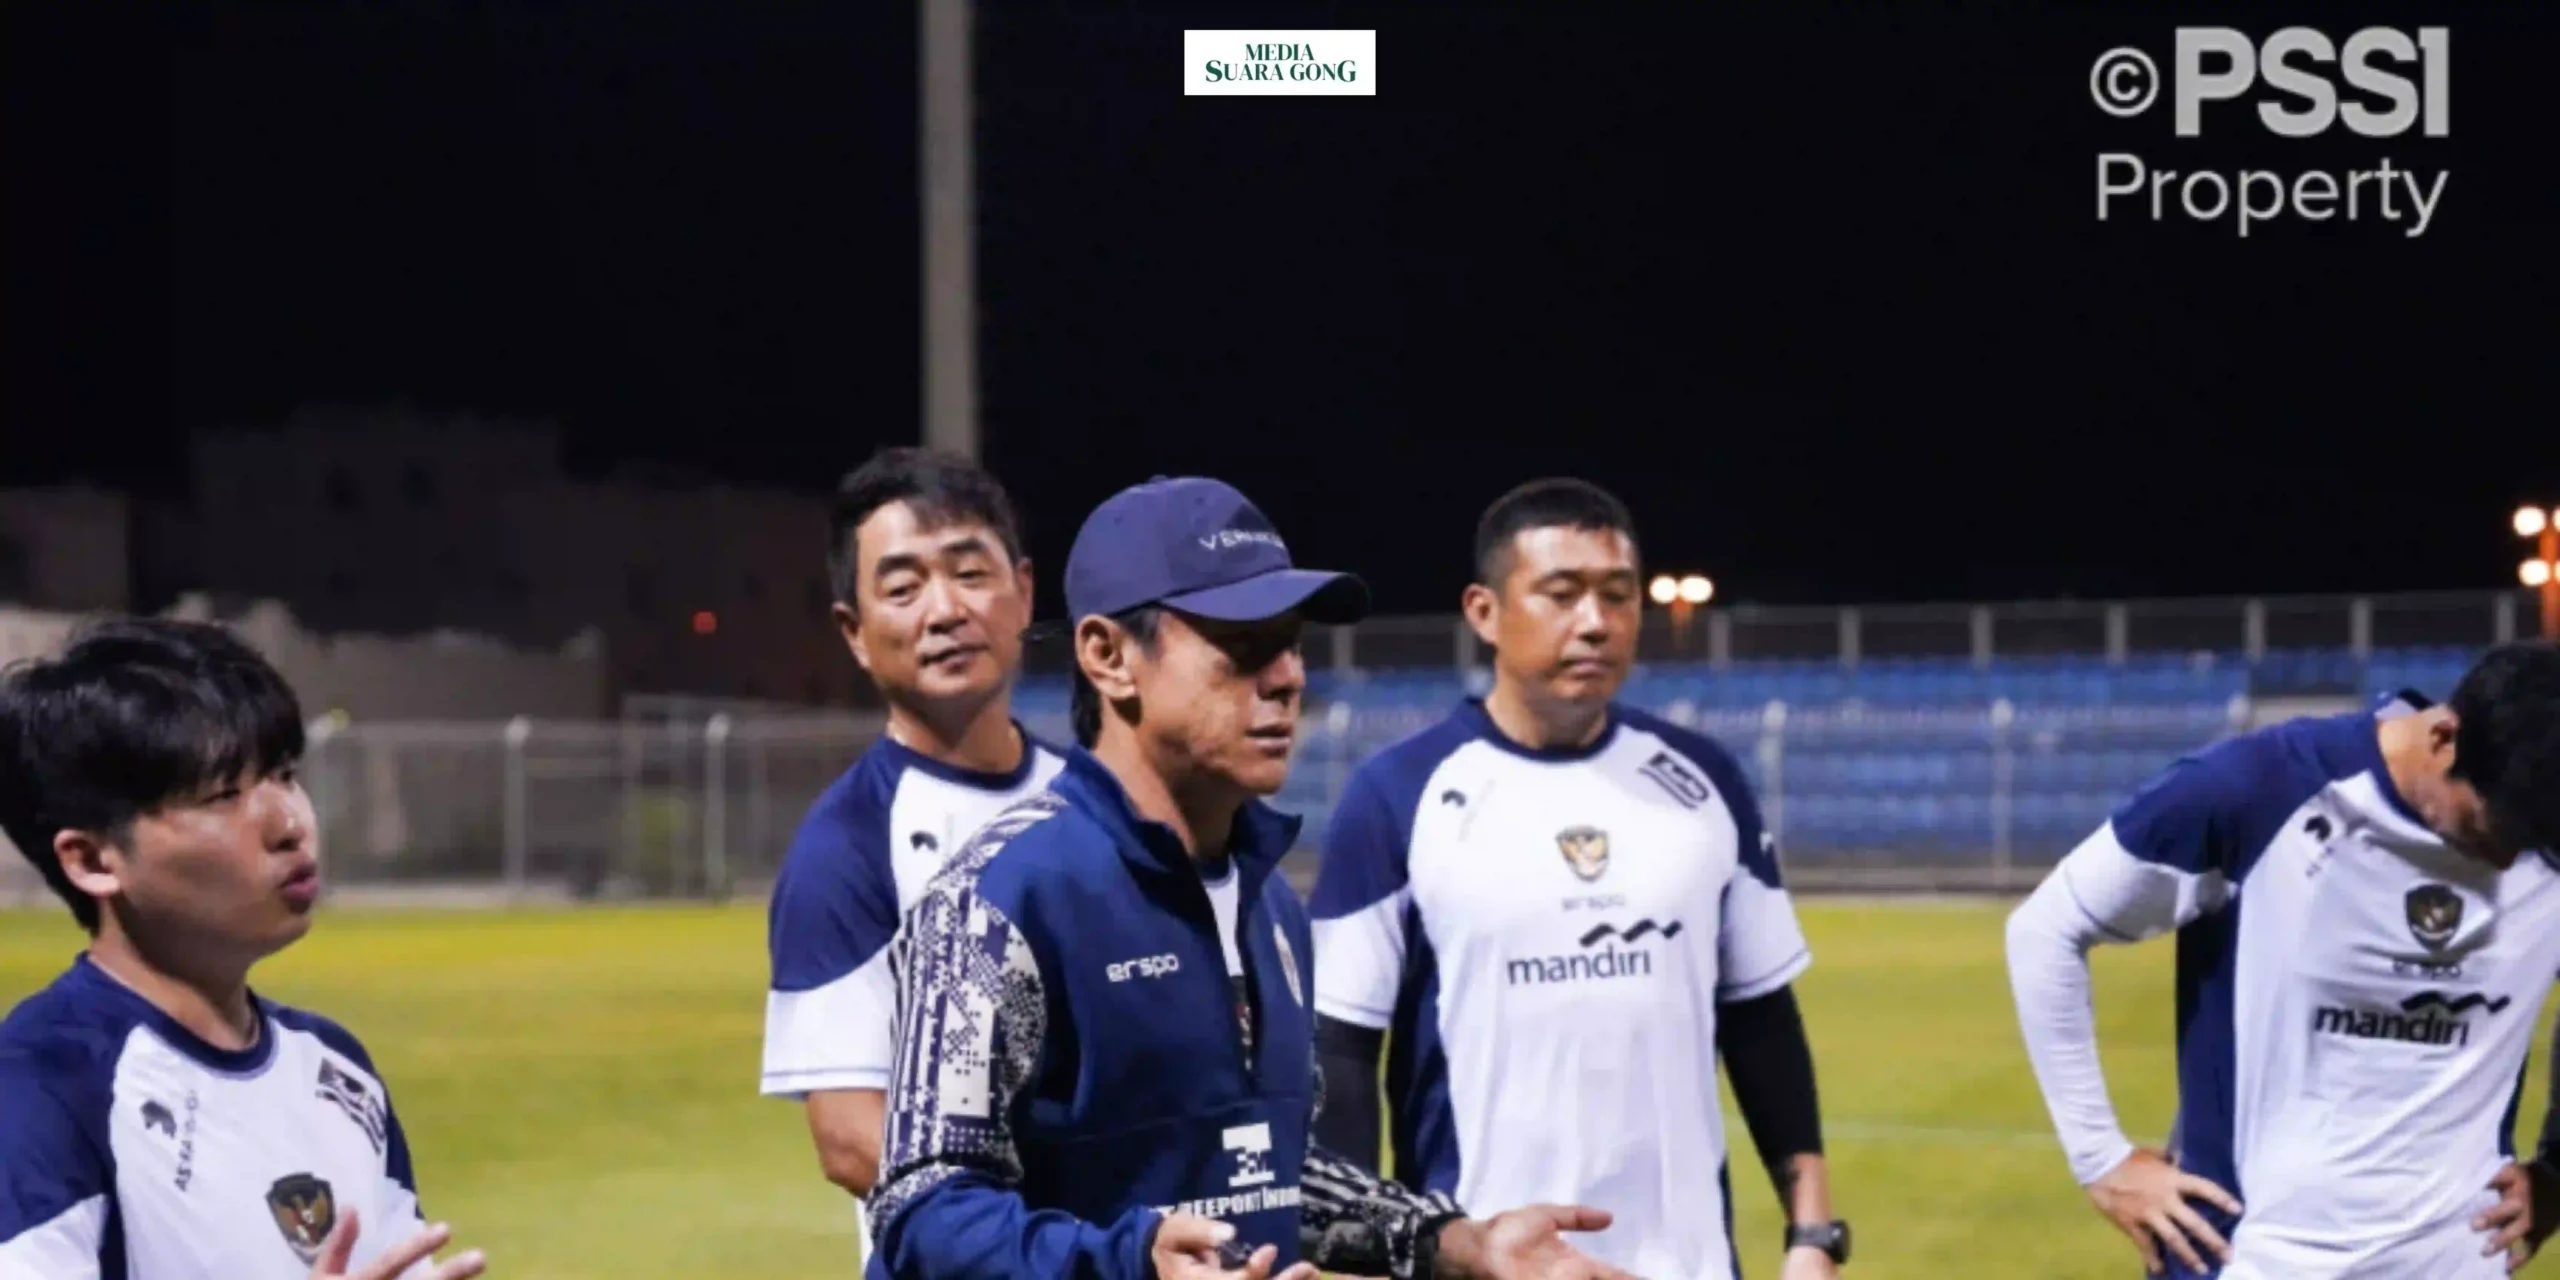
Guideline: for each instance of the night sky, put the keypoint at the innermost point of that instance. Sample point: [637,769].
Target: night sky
[1820,290]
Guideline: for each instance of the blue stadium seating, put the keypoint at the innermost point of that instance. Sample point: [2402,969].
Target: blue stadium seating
[1925,682]
[1902,759]
[2431,671]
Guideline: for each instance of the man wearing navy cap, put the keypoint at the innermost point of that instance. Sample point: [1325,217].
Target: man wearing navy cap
[1104,1060]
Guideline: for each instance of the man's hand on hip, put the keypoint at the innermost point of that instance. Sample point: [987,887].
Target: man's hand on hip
[2146,1197]
[2528,1208]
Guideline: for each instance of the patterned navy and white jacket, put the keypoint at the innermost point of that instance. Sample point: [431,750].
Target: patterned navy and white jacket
[1074,1060]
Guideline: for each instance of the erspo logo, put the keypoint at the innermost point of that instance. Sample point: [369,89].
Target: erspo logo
[1143,967]
[2380,83]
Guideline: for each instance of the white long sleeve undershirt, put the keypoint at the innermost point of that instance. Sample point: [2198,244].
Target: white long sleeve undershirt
[2099,893]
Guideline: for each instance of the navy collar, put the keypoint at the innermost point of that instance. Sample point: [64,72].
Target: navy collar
[1472,712]
[2368,746]
[906,757]
[1261,836]
[233,1062]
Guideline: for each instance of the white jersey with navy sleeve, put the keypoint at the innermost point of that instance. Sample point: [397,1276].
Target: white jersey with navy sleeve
[861,857]
[2355,1000]
[1546,936]
[132,1150]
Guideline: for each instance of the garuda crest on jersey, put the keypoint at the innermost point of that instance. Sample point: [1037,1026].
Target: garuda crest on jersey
[306,1211]
[2435,915]
[1585,849]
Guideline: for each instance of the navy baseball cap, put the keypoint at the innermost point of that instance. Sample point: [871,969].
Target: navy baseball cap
[1198,546]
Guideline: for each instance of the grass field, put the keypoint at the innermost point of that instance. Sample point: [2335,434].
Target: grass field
[579,1088]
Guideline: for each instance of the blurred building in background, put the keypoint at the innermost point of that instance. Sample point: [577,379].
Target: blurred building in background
[67,548]
[388,521]
[701,590]
[436,676]
[394,522]
[387,525]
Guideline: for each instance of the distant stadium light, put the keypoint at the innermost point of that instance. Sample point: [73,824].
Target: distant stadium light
[1665,590]
[1696,590]
[2543,570]
[705,622]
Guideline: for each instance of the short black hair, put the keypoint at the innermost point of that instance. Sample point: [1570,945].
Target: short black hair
[1084,703]
[2506,742]
[942,489]
[1557,502]
[135,713]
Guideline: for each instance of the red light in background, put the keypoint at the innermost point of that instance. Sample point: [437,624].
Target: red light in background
[705,622]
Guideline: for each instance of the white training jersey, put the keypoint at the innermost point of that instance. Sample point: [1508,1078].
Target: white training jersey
[132,1150]
[2355,1000]
[861,858]
[1546,936]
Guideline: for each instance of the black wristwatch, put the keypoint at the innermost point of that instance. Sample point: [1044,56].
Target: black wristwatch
[1830,1237]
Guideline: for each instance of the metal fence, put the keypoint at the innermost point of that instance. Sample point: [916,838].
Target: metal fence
[647,807]
[2249,627]
[690,799]
[704,808]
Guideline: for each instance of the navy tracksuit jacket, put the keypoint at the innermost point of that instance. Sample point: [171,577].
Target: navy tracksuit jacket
[1071,1056]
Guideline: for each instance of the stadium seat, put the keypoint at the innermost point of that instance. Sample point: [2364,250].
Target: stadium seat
[1901,756]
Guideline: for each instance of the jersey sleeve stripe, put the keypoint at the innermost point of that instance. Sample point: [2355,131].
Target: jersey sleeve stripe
[839,1029]
[2072,892]
[797,1085]
[1769,981]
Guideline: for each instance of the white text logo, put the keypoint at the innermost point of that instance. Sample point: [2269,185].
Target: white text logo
[2396,84]
[1252,1145]
[1146,967]
[1225,538]
[1241,1204]
[1280,64]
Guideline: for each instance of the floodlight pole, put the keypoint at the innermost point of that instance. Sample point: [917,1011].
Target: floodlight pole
[2550,549]
[948,144]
